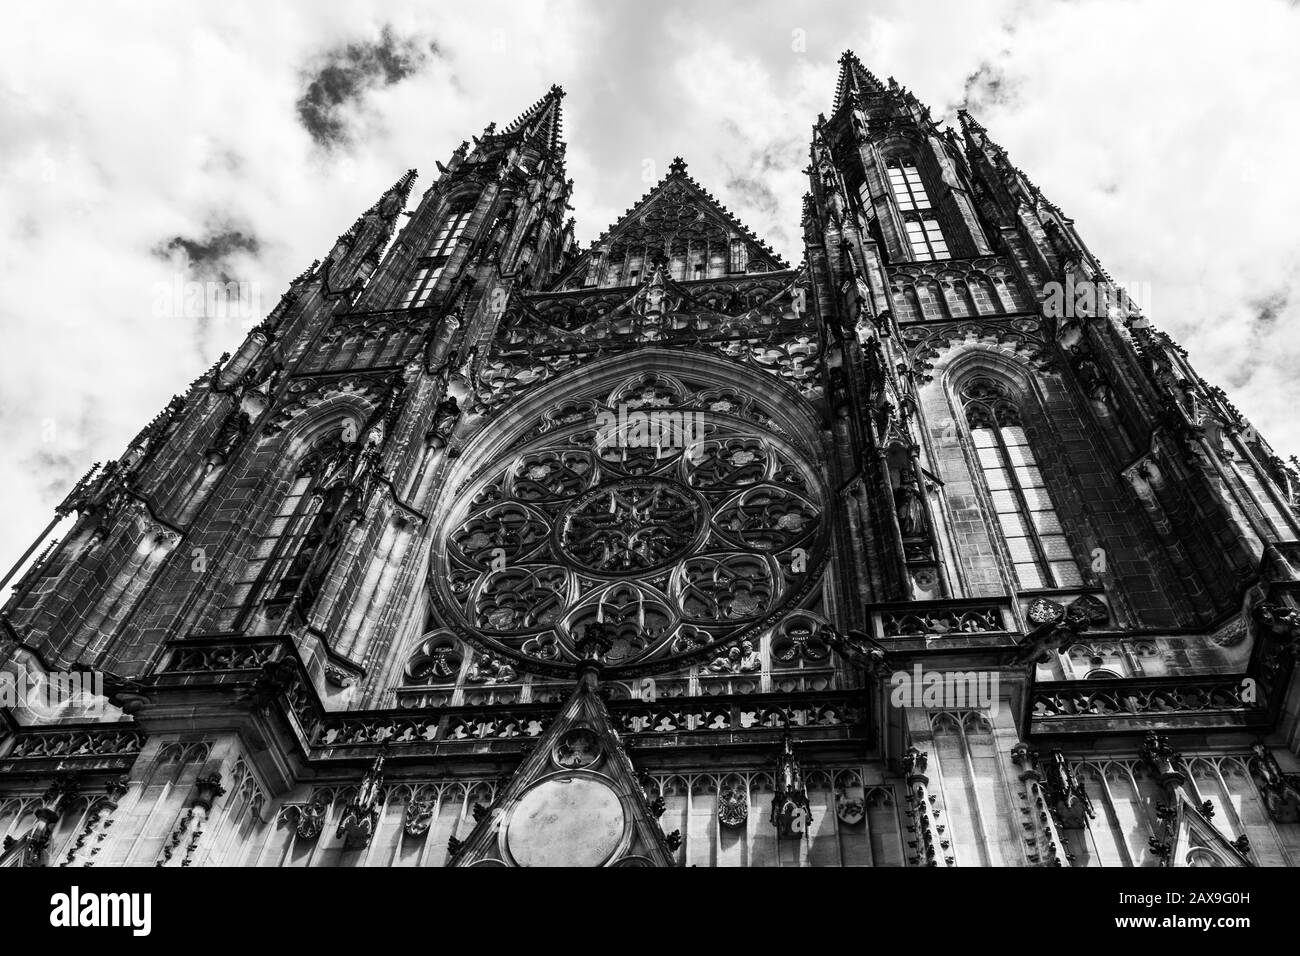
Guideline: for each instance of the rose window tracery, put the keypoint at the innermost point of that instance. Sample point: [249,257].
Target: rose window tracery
[675,516]
[630,526]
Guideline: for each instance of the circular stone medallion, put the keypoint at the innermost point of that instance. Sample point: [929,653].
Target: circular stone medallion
[578,748]
[566,821]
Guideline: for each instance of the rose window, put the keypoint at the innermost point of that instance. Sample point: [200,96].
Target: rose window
[679,537]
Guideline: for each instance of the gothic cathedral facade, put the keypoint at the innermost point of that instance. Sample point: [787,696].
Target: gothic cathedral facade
[486,550]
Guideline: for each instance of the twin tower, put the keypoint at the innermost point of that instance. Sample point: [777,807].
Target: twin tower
[484,549]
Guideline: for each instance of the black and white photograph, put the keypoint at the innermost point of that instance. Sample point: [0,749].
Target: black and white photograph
[575,434]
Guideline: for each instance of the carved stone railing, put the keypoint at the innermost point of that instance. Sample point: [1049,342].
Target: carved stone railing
[268,672]
[707,684]
[448,725]
[467,726]
[213,655]
[1089,706]
[1063,596]
[743,713]
[948,618]
[35,749]
[423,697]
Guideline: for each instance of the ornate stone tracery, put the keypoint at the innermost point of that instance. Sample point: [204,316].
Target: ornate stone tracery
[654,508]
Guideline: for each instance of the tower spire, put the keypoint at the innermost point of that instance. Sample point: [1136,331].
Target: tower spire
[384,209]
[394,198]
[366,240]
[854,78]
[543,121]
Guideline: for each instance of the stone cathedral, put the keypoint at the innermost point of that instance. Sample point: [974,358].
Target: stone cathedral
[483,549]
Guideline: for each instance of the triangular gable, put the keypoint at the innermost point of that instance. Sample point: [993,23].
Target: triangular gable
[1198,842]
[574,801]
[675,211]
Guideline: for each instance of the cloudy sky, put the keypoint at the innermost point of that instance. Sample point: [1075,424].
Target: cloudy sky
[146,143]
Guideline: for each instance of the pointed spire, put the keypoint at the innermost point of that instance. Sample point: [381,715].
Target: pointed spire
[854,78]
[543,121]
[968,123]
[974,132]
[363,244]
[400,192]
[393,200]
[390,202]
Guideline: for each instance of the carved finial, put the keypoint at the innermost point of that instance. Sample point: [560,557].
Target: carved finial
[677,167]
[791,810]
[596,640]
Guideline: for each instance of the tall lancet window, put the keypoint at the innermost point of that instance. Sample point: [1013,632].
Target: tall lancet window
[422,285]
[292,554]
[924,236]
[739,256]
[1026,516]
[905,180]
[452,229]
[430,268]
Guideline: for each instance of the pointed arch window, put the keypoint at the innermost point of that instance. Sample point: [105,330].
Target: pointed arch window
[985,298]
[453,227]
[422,285]
[1009,293]
[431,267]
[291,556]
[905,181]
[927,294]
[957,295]
[906,304]
[1026,516]
[924,234]
[925,237]
[739,256]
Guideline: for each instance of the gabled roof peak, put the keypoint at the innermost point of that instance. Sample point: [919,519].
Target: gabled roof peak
[679,188]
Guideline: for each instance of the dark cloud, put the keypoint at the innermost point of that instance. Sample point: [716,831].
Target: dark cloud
[989,86]
[212,256]
[1270,307]
[750,189]
[755,194]
[341,78]
[58,470]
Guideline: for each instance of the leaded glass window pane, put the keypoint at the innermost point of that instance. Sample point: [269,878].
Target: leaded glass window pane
[1027,519]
